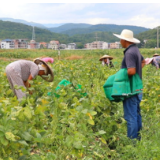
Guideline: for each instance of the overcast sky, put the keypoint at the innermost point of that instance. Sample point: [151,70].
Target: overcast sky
[138,14]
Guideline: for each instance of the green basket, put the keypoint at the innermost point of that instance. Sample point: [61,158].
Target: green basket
[120,86]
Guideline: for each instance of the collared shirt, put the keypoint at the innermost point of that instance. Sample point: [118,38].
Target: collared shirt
[24,68]
[133,59]
[156,61]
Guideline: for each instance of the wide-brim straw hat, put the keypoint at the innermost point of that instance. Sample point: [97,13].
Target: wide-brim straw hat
[49,77]
[156,54]
[105,56]
[127,35]
[148,60]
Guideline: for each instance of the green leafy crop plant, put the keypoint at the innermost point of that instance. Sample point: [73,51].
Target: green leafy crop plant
[75,126]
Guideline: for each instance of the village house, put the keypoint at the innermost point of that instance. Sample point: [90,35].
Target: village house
[62,46]
[20,43]
[7,44]
[96,45]
[33,44]
[71,46]
[43,45]
[54,44]
[114,45]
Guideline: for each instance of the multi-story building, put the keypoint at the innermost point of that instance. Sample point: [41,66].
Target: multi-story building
[33,45]
[97,45]
[20,43]
[43,45]
[53,44]
[71,46]
[62,46]
[114,45]
[7,44]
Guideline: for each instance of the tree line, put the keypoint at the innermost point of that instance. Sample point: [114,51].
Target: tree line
[14,30]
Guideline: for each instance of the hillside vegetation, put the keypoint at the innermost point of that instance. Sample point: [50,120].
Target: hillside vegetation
[72,29]
[84,34]
[14,30]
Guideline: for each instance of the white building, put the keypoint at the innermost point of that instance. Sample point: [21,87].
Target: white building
[62,46]
[97,45]
[71,46]
[114,45]
[53,44]
[105,45]
[7,44]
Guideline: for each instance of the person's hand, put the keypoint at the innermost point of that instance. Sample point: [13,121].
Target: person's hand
[25,83]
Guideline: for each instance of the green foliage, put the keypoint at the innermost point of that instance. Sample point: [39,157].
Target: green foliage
[68,33]
[14,30]
[74,126]
[73,29]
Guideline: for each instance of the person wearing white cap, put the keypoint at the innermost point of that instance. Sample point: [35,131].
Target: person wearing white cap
[134,62]
[21,71]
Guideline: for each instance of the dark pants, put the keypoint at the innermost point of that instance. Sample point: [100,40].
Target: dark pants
[132,115]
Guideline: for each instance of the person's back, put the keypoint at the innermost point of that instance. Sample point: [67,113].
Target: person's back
[133,58]
[156,62]
[24,68]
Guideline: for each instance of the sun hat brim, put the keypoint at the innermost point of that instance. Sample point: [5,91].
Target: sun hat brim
[148,60]
[155,54]
[106,56]
[49,77]
[134,40]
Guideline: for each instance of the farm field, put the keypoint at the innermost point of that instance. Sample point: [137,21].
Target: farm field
[78,124]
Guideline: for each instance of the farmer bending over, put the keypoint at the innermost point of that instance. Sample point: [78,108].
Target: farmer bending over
[155,61]
[21,71]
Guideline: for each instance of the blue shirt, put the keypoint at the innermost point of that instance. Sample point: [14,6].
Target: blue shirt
[133,59]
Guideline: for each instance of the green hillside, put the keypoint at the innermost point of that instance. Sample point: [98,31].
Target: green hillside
[14,30]
[69,26]
[150,34]
[151,37]
[72,29]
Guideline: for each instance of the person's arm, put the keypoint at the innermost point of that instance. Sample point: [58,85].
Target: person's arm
[143,63]
[27,84]
[131,71]
[111,64]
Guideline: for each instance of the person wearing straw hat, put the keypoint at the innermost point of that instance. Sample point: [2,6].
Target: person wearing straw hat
[156,54]
[134,62]
[106,60]
[21,71]
[155,61]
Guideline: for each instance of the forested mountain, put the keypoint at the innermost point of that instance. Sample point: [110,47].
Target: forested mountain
[14,30]
[72,29]
[23,22]
[150,34]
[68,27]
[151,38]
